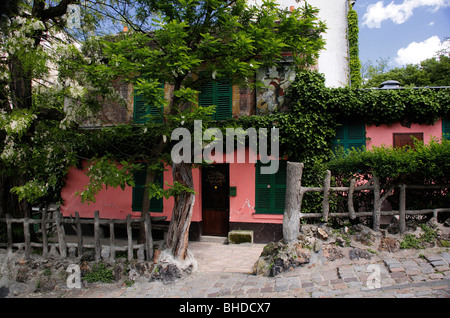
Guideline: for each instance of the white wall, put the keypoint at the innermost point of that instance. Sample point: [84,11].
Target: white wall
[333,60]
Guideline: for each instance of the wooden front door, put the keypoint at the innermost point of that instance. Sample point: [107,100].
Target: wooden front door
[215,199]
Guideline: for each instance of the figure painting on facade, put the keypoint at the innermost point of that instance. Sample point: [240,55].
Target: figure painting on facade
[276,80]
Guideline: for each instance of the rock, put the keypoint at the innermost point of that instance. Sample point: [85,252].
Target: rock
[105,252]
[317,246]
[389,244]
[357,253]
[322,234]
[72,252]
[88,256]
[331,252]
[168,269]
[22,274]
[4,291]
[447,222]
[340,241]
[141,254]
[279,257]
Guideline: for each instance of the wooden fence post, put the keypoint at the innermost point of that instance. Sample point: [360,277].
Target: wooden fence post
[326,196]
[112,248]
[44,232]
[61,234]
[97,243]
[130,238]
[402,208]
[9,244]
[79,234]
[293,199]
[26,235]
[351,206]
[376,203]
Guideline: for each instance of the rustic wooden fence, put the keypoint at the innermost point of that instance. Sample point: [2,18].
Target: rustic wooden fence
[56,220]
[295,193]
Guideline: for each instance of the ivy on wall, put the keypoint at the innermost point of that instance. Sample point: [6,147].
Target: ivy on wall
[353,48]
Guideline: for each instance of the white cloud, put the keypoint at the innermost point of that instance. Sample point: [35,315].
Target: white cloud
[417,52]
[398,13]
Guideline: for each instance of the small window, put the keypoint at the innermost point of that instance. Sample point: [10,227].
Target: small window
[406,139]
[446,128]
[270,190]
[218,93]
[142,109]
[156,205]
[350,135]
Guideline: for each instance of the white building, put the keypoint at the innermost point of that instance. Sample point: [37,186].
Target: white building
[333,60]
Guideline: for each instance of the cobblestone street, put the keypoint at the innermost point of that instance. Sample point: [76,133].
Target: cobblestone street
[413,274]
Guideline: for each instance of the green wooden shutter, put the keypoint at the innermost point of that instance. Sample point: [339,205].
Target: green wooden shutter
[263,190]
[156,205]
[141,109]
[350,135]
[218,93]
[446,128]
[270,189]
[279,188]
[224,100]
[356,135]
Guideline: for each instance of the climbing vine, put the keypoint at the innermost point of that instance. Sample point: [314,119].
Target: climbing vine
[353,48]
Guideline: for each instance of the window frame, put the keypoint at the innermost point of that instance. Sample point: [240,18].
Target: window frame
[277,188]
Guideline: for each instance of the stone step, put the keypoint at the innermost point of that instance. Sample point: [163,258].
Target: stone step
[213,239]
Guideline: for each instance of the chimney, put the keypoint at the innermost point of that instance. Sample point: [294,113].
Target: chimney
[390,84]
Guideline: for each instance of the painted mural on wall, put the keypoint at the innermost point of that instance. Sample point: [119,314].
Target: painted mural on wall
[276,80]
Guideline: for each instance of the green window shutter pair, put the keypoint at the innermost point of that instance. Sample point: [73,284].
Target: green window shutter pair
[270,189]
[218,93]
[141,109]
[156,205]
[350,135]
[446,128]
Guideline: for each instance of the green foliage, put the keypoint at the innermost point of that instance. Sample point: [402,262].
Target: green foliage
[426,162]
[99,273]
[430,72]
[353,48]
[429,235]
[104,172]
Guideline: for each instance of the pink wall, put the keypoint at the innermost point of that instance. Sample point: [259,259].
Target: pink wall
[115,203]
[383,134]
[242,206]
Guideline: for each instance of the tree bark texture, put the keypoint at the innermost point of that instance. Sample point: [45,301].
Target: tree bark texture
[178,233]
[291,217]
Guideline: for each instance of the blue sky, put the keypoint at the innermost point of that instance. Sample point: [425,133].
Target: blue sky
[405,31]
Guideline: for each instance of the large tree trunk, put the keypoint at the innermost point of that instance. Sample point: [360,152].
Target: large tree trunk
[178,234]
[149,179]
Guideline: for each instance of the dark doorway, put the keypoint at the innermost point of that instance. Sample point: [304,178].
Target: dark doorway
[215,199]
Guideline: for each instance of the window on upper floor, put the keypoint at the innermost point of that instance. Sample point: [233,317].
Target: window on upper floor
[141,109]
[218,93]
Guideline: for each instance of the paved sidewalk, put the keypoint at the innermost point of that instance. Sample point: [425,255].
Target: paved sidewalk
[224,271]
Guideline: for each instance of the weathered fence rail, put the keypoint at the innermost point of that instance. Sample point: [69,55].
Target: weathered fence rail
[62,245]
[295,193]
